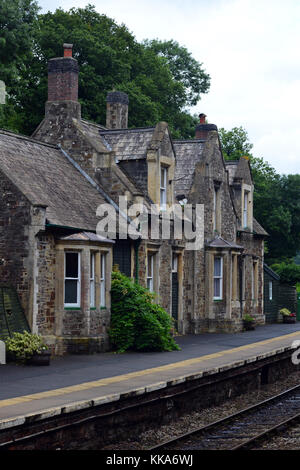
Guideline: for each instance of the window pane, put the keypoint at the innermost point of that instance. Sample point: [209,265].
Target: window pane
[102,284]
[70,292]
[92,293]
[217,267]
[72,265]
[217,288]
[150,265]
[92,266]
[163,174]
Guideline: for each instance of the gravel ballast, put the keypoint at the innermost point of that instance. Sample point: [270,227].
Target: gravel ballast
[193,420]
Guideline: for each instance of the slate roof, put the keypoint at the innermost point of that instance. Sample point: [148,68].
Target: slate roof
[45,176]
[239,170]
[258,229]
[220,242]
[86,236]
[128,144]
[271,272]
[188,154]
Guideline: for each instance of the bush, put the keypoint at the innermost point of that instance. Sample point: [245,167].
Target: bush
[137,323]
[248,318]
[288,272]
[22,346]
[285,312]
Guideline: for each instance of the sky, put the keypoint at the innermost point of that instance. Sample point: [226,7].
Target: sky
[250,48]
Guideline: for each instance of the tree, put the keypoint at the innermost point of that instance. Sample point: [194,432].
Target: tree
[235,143]
[276,197]
[110,58]
[17,22]
[184,68]
[288,272]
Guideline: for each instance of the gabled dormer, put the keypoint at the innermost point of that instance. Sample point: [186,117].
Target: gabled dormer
[161,167]
[241,182]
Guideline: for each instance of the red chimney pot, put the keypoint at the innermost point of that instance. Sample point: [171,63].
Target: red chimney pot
[202,117]
[68,50]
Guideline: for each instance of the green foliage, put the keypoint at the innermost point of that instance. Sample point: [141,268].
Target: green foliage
[285,312]
[184,68]
[247,318]
[235,143]
[22,346]
[288,272]
[276,197]
[17,25]
[17,20]
[137,323]
[110,58]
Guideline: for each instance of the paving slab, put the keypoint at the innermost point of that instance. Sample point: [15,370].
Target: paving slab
[77,382]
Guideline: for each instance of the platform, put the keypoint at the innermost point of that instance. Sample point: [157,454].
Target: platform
[77,382]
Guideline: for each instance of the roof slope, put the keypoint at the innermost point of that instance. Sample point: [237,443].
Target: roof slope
[45,176]
[188,154]
[258,229]
[128,144]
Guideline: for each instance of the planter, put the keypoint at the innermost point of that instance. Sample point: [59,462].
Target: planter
[249,325]
[40,359]
[287,319]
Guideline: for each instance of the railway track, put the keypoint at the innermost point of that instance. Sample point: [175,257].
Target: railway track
[245,429]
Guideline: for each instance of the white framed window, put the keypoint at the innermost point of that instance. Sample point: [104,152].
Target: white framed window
[245,209]
[175,263]
[92,280]
[163,188]
[150,272]
[72,279]
[218,278]
[102,280]
[270,290]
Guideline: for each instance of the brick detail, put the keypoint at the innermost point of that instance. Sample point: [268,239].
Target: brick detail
[63,79]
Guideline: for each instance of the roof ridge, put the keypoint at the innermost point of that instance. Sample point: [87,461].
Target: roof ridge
[93,123]
[135,129]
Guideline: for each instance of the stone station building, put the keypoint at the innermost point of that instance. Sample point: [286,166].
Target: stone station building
[52,254]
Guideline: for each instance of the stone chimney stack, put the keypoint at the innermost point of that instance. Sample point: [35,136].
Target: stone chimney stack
[63,84]
[203,128]
[63,77]
[117,110]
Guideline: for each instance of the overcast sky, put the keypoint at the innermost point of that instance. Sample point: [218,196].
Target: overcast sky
[251,50]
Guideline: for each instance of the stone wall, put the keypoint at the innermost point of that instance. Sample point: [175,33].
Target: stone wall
[45,275]
[15,250]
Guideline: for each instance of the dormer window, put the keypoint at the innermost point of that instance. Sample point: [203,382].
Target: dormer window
[163,188]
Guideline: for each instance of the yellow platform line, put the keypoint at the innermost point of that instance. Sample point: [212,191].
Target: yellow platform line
[123,377]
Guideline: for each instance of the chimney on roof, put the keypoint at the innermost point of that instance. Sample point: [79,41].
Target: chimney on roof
[202,117]
[63,77]
[203,128]
[63,85]
[117,110]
